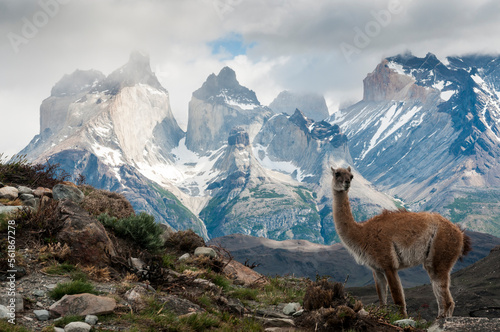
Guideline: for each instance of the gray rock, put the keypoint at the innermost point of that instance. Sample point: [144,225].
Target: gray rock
[4,312]
[77,327]
[25,197]
[136,297]
[298,313]
[136,263]
[23,190]
[82,305]
[204,251]
[6,301]
[58,329]
[38,293]
[91,319]
[405,322]
[184,257]
[51,286]
[9,193]
[33,203]
[167,232]
[469,324]
[178,305]
[274,322]
[10,209]
[62,191]
[42,314]
[291,308]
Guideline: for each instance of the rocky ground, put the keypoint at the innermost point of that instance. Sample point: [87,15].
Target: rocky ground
[80,270]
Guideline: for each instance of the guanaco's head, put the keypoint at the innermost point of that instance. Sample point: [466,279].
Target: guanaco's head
[342,178]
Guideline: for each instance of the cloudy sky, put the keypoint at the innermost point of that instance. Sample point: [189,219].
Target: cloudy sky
[325,46]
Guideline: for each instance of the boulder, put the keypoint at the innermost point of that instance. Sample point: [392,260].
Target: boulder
[82,305]
[24,190]
[8,192]
[10,209]
[42,314]
[405,323]
[63,191]
[6,301]
[91,319]
[178,305]
[86,237]
[204,251]
[26,197]
[167,231]
[77,327]
[4,312]
[41,191]
[242,274]
[291,308]
[136,297]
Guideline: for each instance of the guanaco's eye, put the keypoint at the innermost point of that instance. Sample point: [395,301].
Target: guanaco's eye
[337,174]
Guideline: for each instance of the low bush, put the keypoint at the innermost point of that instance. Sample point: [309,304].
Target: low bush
[141,228]
[41,225]
[21,172]
[70,288]
[98,202]
[324,294]
[185,241]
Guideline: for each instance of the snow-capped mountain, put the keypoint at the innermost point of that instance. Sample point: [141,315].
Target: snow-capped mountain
[238,168]
[428,131]
[114,130]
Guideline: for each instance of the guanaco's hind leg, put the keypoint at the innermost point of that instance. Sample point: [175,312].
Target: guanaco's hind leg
[380,286]
[441,288]
[396,288]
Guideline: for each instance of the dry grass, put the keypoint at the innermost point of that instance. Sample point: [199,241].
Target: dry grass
[184,241]
[96,274]
[99,201]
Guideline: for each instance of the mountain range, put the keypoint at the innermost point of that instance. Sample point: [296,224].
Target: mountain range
[426,133]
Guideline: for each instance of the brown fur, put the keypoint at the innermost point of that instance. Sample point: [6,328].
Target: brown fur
[396,240]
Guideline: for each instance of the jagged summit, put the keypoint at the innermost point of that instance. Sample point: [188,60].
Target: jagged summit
[136,71]
[224,88]
[217,107]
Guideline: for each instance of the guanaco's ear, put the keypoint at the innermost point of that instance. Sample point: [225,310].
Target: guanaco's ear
[349,168]
[333,169]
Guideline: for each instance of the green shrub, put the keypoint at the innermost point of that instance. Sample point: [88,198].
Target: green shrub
[63,321]
[140,228]
[60,269]
[245,293]
[70,288]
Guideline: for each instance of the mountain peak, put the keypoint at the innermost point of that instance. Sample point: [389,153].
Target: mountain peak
[136,71]
[224,88]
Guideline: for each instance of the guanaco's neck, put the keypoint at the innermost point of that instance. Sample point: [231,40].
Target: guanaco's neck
[346,226]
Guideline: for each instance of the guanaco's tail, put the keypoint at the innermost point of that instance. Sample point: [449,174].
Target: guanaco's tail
[466,244]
